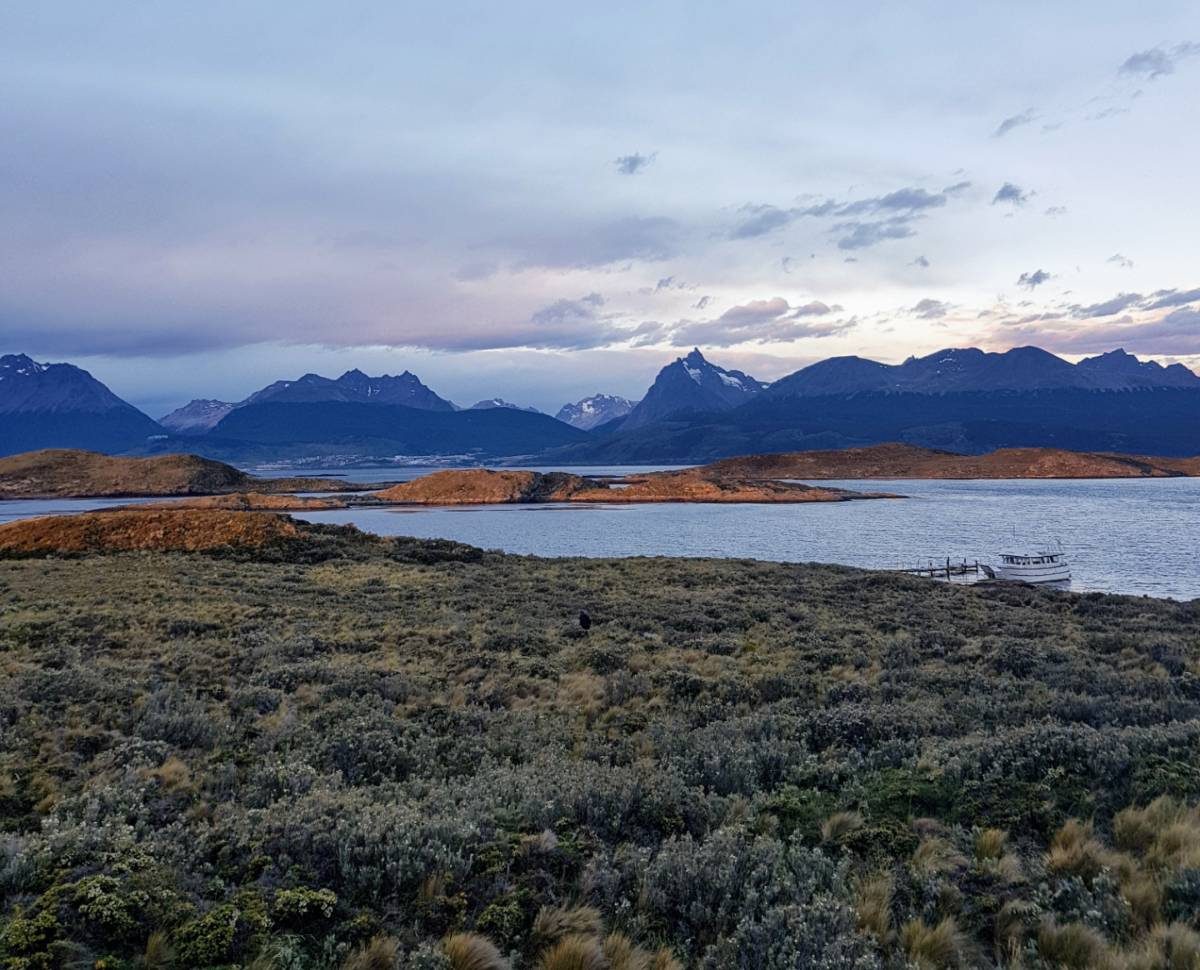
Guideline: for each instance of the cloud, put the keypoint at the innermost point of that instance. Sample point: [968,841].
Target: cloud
[701,303]
[1033,280]
[761,321]
[1056,210]
[815,309]
[896,208]
[635,163]
[1174,334]
[1162,299]
[760,220]
[861,235]
[1123,261]
[920,261]
[929,309]
[1011,194]
[1015,121]
[1157,61]
[1110,308]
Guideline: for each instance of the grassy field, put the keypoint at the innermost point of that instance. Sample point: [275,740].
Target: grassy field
[372,754]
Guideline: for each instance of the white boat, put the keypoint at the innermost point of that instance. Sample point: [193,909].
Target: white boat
[1044,566]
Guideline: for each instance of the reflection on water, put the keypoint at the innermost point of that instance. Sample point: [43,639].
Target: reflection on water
[1127,536]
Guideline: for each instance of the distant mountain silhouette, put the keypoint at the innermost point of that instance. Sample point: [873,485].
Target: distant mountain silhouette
[354,387]
[947,371]
[691,384]
[196,417]
[497,402]
[594,411]
[966,401]
[63,406]
[280,429]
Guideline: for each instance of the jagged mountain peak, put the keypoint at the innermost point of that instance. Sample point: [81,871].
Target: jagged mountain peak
[692,384]
[591,412]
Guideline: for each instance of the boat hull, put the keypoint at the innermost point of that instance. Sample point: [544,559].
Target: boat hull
[1054,572]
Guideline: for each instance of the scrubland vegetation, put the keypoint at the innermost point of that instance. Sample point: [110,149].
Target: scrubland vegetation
[369,754]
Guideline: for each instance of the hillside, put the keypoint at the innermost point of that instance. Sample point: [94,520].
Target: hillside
[61,473]
[907,461]
[184,530]
[482,487]
[335,762]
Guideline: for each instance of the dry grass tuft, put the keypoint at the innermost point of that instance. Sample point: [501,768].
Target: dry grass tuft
[1173,947]
[664,959]
[840,826]
[936,856]
[574,953]
[1072,946]
[1136,829]
[554,922]
[990,844]
[470,951]
[1075,851]
[936,947]
[1012,922]
[874,907]
[158,954]
[622,954]
[381,953]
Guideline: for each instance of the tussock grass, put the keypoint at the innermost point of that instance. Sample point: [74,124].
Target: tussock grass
[840,826]
[380,953]
[470,951]
[554,922]
[873,904]
[574,953]
[936,947]
[935,856]
[1075,851]
[1073,946]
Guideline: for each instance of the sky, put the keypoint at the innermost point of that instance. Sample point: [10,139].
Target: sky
[541,201]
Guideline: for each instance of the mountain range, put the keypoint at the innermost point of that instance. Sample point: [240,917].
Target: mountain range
[963,400]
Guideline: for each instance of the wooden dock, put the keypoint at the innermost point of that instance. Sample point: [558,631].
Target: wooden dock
[949,570]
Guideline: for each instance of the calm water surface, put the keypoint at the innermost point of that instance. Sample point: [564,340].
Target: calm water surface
[1126,536]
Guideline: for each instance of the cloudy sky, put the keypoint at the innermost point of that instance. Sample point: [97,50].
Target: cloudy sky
[544,200]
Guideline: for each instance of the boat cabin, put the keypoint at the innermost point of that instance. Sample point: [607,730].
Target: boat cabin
[1046,558]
